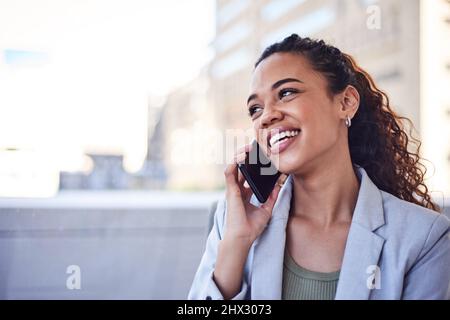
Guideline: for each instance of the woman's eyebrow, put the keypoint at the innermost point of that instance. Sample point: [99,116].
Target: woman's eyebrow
[274,86]
[282,81]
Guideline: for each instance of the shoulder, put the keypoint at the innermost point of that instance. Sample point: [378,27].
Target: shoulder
[411,229]
[406,216]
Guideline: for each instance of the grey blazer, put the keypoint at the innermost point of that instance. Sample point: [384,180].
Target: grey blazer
[394,250]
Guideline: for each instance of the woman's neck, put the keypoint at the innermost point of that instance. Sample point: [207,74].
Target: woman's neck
[326,196]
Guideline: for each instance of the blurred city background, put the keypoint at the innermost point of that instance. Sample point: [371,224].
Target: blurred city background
[113,117]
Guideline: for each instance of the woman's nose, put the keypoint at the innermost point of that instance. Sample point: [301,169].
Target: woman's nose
[270,116]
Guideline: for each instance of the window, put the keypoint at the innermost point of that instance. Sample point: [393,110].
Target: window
[25,58]
[307,25]
[232,63]
[232,36]
[231,10]
[367,3]
[276,8]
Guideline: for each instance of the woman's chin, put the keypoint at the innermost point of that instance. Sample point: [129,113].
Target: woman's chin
[287,166]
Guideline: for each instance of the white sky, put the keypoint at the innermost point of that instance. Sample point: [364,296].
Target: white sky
[107,57]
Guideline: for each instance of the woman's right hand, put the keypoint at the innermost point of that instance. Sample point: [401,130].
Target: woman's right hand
[245,221]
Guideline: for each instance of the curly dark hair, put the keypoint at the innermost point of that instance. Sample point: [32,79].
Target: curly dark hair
[377,138]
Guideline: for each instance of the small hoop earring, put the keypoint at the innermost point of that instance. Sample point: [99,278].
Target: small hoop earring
[348,121]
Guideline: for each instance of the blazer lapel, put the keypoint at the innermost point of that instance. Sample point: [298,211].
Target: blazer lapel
[362,250]
[268,254]
[364,246]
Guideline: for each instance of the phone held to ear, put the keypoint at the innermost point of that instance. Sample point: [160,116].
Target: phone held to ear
[260,174]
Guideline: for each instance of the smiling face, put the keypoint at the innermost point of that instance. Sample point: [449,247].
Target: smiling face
[287,93]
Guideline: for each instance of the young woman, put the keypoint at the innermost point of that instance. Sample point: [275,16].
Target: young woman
[353,219]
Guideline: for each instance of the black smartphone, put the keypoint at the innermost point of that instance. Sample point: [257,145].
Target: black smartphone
[259,172]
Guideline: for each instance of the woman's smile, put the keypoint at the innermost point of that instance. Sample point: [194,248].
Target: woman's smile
[282,141]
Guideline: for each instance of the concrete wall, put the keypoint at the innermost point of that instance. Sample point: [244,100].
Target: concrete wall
[146,251]
[128,246]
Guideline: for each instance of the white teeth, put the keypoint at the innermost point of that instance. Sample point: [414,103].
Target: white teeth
[275,138]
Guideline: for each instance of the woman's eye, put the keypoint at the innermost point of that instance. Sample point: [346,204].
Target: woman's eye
[252,110]
[286,92]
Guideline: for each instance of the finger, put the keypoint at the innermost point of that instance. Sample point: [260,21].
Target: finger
[241,178]
[242,153]
[243,184]
[270,203]
[231,178]
[240,158]
[246,191]
[244,148]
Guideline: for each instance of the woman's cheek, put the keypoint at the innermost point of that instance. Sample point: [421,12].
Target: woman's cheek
[258,134]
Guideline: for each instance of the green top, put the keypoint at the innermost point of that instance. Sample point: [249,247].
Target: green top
[302,284]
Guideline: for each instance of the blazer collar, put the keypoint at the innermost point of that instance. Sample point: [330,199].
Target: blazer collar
[268,249]
[362,250]
[363,247]
[369,205]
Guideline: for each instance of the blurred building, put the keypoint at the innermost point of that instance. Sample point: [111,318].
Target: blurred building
[107,170]
[192,150]
[153,174]
[400,43]
[245,28]
[107,173]
[434,90]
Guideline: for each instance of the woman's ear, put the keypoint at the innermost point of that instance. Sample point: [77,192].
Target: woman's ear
[350,102]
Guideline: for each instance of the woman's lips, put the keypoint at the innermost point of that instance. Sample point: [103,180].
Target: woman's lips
[283,145]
